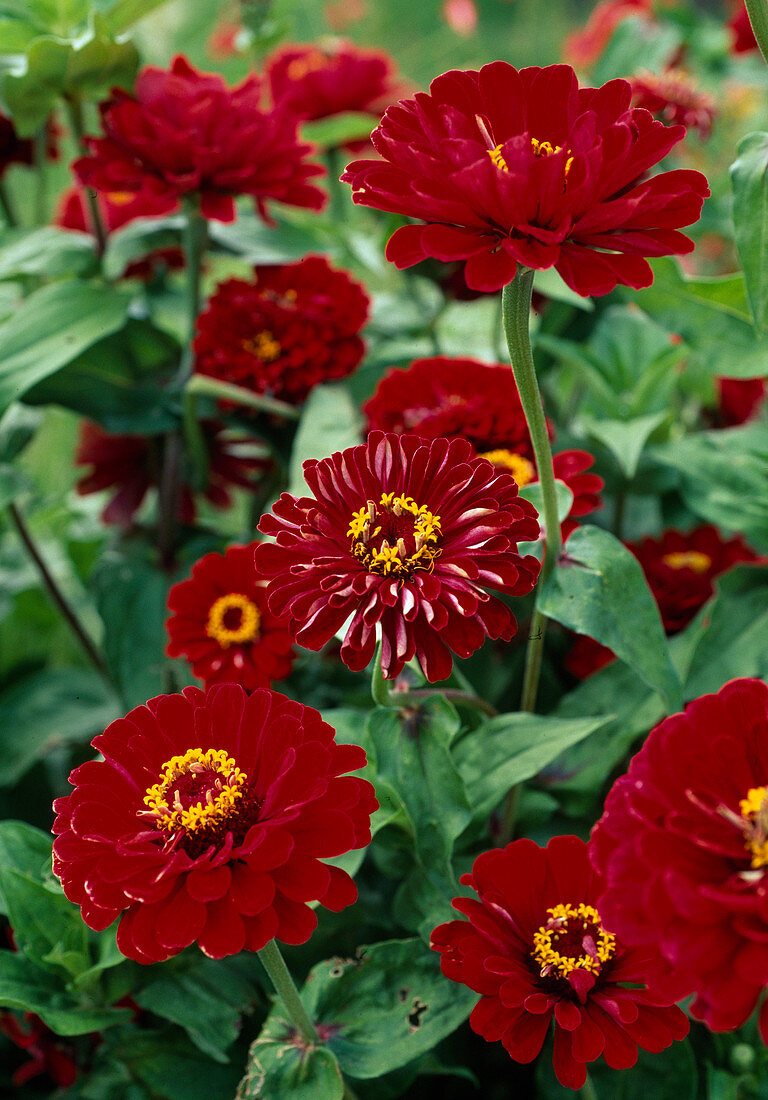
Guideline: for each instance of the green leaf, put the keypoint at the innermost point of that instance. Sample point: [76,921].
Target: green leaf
[50,329]
[329,133]
[330,422]
[26,988]
[46,926]
[532,492]
[625,439]
[665,1075]
[17,429]
[637,43]
[12,484]
[121,15]
[257,242]
[550,283]
[16,35]
[25,849]
[138,239]
[749,179]
[599,589]
[511,748]
[47,251]
[278,1068]
[170,1067]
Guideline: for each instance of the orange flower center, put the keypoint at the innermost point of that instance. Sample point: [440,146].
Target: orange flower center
[572,939]
[263,345]
[233,619]
[196,792]
[309,63]
[688,559]
[521,469]
[395,537]
[754,814]
[120,198]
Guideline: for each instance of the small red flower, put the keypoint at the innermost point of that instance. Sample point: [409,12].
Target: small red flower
[222,625]
[405,534]
[461,16]
[18,150]
[743,37]
[509,168]
[535,948]
[680,568]
[673,97]
[49,1054]
[295,325]
[132,465]
[740,400]
[185,132]
[584,47]
[208,820]
[683,848]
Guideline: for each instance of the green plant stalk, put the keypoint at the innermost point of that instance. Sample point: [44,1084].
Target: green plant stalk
[194,240]
[587,1090]
[758,17]
[201,385]
[279,975]
[6,209]
[74,109]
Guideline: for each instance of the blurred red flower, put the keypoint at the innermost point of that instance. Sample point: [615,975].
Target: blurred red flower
[674,97]
[185,132]
[208,820]
[509,168]
[221,623]
[743,37]
[461,16]
[584,47]
[19,150]
[683,848]
[295,325]
[536,949]
[405,534]
[132,465]
[49,1055]
[739,400]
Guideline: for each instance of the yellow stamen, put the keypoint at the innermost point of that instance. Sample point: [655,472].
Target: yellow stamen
[574,924]
[521,469]
[263,345]
[754,811]
[688,559]
[250,620]
[205,809]
[120,198]
[381,557]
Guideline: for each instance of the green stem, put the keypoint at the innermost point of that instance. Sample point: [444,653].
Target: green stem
[41,160]
[201,385]
[74,109]
[194,241]
[758,17]
[5,207]
[422,695]
[380,692]
[587,1090]
[338,193]
[279,975]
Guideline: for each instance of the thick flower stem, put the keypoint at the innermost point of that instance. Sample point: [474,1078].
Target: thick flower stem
[279,975]
[74,109]
[6,209]
[194,243]
[758,17]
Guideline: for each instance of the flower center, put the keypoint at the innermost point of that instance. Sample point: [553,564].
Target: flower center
[688,559]
[540,149]
[263,345]
[395,537]
[754,813]
[309,63]
[521,469]
[197,792]
[233,619]
[572,939]
[120,198]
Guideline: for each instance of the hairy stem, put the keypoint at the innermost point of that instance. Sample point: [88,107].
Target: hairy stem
[279,975]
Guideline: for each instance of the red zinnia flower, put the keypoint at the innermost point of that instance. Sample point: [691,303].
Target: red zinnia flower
[18,150]
[132,465]
[406,534]
[535,947]
[222,625]
[739,400]
[295,325]
[207,820]
[680,568]
[464,398]
[683,848]
[509,168]
[185,132]
[673,97]
[743,40]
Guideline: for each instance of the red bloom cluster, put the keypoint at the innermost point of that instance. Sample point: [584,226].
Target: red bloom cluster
[536,948]
[405,534]
[740,400]
[185,132]
[294,326]
[132,465]
[509,168]
[683,848]
[464,398]
[222,625]
[673,97]
[208,820]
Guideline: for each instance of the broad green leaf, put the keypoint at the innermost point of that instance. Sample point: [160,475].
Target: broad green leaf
[120,15]
[625,439]
[27,988]
[46,926]
[16,35]
[277,1067]
[47,709]
[599,589]
[735,642]
[511,748]
[550,283]
[329,133]
[749,179]
[532,492]
[259,243]
[138,239]
[17,428]
[167,1060]
[25,849]
[46,251]
[50,329]
[12,484]
[330,422]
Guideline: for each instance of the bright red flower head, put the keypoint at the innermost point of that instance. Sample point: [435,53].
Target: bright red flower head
[509,168]
[295,325]
[673,97]
[222,625]
[536,948]
[683,848]
[132,465]
[207,821]
[186,132]
[405,534]
[680,569]
[740,400]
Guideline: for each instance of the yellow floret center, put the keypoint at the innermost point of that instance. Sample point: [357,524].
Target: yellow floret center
[540,149]
[263,345]
[688,559]
[233,619]
[395,537]
[196,791]
[754,812]
[519,467]
[573,938]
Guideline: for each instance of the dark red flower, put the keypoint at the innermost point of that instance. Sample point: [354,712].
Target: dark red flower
[673,97]
[536,948]
[509,168]
[405,534]
[680,568]
[48,1053]
[586,656]
[683,848]
[208,820]
[739,400]
[132,465]
[222,625]
[185,132]
[295,325]
[18,150]
[467,399]
[743,37]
